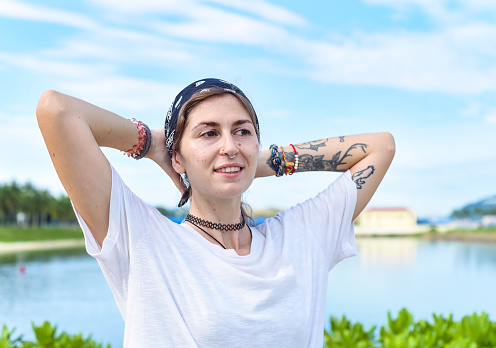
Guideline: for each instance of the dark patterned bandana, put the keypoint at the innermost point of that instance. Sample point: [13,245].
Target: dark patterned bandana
[185,95]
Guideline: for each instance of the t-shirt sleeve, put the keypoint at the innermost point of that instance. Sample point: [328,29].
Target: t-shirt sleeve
[328,217]
[127,220]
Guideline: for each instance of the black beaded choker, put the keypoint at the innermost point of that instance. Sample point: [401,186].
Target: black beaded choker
[214,225]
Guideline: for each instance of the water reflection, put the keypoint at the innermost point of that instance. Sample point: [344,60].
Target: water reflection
[65,288]
[39,255]
[387,252]
[424,276]
[479,254]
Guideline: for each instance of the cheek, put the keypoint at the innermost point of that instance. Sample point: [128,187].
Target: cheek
[254,151]
[201,155]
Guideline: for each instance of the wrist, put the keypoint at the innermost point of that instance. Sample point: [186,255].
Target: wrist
[263,167]
[140,150]
[156,151]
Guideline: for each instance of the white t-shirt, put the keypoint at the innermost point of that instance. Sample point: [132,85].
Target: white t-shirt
[176,289]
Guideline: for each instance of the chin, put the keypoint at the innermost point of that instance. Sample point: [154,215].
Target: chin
[230,194]
[231,191]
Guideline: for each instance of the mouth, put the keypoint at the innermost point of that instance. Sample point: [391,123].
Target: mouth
[228,170]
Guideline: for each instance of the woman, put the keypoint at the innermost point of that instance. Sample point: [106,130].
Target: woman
[211,281]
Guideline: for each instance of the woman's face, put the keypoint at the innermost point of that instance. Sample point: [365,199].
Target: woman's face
[216,127]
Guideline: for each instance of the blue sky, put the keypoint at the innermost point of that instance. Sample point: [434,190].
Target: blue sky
[423,70]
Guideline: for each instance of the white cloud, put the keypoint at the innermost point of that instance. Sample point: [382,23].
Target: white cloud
[491,116]
[30,160]
[427,147]
[123,46]
[443,11]
[124,94]
[170,7]
[213,25]
[17,9]
[452,59]
[99,84]
[66,69]
[260,8]
[265,10]
[457,60]
[436,8]
[252,23]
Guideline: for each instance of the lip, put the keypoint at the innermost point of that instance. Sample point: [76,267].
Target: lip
[232,174]
[226,165]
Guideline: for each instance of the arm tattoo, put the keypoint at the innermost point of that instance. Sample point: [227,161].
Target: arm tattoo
[313,145]
[335,159]
[309,162]
[341,139]
[359,177]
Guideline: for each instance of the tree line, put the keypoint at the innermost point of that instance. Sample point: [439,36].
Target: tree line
[26,205]
[478,209]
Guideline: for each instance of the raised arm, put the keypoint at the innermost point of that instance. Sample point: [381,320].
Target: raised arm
[73,131]
[367,156]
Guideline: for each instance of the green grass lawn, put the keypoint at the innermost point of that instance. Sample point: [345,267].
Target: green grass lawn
[477,230]
[30,234]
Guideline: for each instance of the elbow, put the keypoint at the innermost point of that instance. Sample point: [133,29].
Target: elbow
[389,144]
[49,106]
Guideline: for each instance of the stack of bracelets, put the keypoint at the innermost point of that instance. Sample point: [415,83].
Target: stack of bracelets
[287,168]
[145,139]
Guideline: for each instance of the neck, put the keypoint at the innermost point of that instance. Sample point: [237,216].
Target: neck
[223,212]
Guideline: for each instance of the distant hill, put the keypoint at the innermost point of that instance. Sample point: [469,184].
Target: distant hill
[475,210]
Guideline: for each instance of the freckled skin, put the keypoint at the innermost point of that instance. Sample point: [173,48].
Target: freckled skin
[201,154]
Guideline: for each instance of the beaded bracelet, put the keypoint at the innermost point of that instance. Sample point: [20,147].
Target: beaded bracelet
[145,139]
[275,160]
[288,166]
[296,160]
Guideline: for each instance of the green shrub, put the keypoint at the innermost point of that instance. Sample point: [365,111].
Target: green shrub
[47,337]
[472,331]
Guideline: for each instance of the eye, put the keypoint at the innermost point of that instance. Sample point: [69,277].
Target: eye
[208,134]
[243,132]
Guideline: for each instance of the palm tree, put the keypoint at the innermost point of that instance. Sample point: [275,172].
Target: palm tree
[10,197]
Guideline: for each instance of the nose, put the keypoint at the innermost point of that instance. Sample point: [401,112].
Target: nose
[229,147]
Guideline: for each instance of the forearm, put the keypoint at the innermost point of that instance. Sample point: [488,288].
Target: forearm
[330,154]
[73,131]
[58,112]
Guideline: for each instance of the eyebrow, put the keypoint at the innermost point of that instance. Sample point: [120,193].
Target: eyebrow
[217,124]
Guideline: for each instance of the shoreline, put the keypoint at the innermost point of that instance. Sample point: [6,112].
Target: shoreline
[15,247]
[476,237]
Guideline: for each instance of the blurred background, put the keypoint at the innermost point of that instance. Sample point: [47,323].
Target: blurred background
[423,70]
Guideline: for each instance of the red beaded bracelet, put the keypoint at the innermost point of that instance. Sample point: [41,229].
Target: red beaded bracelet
[296,160]
[143,144]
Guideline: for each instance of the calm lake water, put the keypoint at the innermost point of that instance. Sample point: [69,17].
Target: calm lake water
[388,274]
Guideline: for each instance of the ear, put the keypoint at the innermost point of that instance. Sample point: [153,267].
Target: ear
[177,161]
